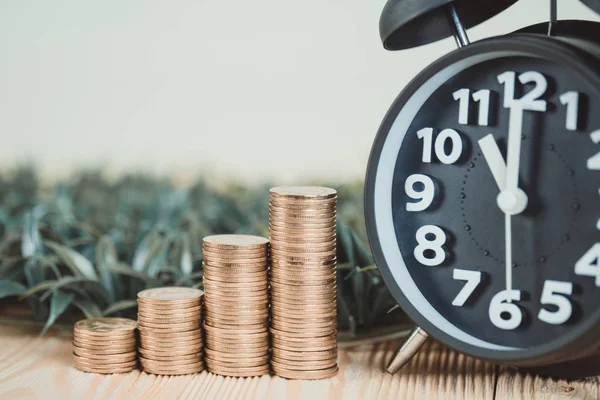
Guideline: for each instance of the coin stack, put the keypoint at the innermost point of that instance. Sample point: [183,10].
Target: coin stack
[169,321]
[105,345]
[236,304]
[303,282]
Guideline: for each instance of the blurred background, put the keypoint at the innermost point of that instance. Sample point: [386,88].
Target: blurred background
[251,90]
[132,129]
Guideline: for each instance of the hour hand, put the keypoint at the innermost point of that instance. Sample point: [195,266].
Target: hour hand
[494,160]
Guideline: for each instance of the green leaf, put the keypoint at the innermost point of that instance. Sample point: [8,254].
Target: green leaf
[88,307]
[393,308]
[33,273]
[190,277]
[120,306]
[187,264]
[31,241]
[124,269]
[344,237]
[145,250]
[106,255]
[10,288]
[51,285]
[76,262]
[59,303]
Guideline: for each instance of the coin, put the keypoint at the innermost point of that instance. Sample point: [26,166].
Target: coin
[171,295]
[303,192]
[238,372]
[306,375]
[81,361]
[235,241]
[119,357]
[219,356]
[304,355]
[105,370]
[189,371]
[102,326]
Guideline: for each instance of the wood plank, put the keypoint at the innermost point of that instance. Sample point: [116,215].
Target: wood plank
[515,385]
[32,367]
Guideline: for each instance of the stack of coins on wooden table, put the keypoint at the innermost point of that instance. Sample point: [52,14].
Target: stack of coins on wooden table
[105,345]
[236,305]
[169,321]
[303,282]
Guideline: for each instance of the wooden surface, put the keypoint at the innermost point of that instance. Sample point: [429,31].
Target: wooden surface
[32,367]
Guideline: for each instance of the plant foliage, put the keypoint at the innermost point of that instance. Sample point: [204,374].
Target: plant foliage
[84,248]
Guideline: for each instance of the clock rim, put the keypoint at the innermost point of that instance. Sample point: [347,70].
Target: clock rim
[581,339]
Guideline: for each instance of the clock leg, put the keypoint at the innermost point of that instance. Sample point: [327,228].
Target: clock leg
[407,350]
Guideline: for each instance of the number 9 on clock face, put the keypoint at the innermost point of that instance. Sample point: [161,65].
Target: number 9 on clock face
[512,278]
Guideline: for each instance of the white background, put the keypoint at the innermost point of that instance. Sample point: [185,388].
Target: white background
[249,89]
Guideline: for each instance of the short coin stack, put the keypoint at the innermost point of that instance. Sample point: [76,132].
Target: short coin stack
[303,282]
[169,321]
[105,345]
[236,304]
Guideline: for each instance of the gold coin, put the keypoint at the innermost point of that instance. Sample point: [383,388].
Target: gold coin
[169,321]
[323,296]
[305,259]
[208,269]
[308,334]
[104,341]
[103,348]
[229,313]
[304,355]
[241,362]
[109,337]
[289,288]
[235,241]
[304,365]
[166,353]
[302,203]
[290,337]
[306,375]
[259,280]
[298,347]
[166,335]
[303,281]
[303,192]
[238,337]
[235,253]
[226,285]
[193,336]
[228,258]
[171,342]
[290,219]
[208,328]
[296,327]
[239,373]
[164,316]
[192,324]
[191,371]
[160,369]
[168,307]
[189,347]
[238,322]
[305,318]
[94,356]
[170,295]
[115,359]
[105,371]
[102,326]
[169,364]
[219,356]
[192,357]
[312,308]
[239,348]
[96,364]
[215,295]
[166,331]
[281,208]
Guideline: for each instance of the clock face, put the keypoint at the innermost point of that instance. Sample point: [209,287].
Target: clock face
[483,202]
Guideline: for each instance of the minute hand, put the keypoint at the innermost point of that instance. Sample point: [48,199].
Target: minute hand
[512,200]
[513,157]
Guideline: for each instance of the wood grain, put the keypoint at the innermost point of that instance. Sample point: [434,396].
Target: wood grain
[32,367]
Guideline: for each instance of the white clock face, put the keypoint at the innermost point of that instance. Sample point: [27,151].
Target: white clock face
[483,202]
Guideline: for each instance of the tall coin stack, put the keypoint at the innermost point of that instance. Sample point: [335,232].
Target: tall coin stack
[169,321]
[105,345]
[236,305]
[303,282]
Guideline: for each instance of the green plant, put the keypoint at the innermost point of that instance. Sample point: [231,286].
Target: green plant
[92,244]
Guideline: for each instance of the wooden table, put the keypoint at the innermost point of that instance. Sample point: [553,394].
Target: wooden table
[34,367]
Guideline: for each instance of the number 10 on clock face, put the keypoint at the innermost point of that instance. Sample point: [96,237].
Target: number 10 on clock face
[495,202]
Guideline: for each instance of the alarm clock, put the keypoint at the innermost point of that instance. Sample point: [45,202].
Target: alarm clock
[482,191]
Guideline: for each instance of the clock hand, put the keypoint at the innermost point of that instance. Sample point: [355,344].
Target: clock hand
[494,159]
[512,200]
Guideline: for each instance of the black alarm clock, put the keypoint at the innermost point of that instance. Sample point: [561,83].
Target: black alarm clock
[482,192]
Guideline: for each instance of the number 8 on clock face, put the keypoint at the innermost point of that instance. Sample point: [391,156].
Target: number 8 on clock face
[483,203]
